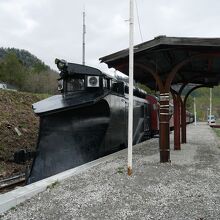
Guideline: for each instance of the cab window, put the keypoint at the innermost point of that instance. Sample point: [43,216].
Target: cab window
[75,84]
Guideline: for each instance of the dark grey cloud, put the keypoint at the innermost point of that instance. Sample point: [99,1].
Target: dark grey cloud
[53,28]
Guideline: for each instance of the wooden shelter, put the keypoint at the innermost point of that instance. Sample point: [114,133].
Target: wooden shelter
[171,64]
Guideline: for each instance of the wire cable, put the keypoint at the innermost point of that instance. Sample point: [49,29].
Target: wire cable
[138,19]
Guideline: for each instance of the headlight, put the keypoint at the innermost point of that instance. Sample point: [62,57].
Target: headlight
[93,81]
[61,64]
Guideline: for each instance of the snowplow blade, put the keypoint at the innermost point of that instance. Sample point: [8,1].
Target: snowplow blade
[69,139]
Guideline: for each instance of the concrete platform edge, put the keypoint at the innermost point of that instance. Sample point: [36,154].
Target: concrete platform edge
[11,199]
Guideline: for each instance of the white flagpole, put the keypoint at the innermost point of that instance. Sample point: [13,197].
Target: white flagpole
[131,68]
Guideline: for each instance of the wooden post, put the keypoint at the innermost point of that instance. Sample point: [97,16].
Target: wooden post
[164,127]
[177,145]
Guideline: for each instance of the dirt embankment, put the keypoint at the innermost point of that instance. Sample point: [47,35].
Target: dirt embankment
[18,128]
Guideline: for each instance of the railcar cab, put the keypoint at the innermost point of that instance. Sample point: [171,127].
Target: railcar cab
[75,78]
[79,78]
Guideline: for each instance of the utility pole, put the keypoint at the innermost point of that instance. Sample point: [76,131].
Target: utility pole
[84,33]
[194,99]
[210,105]
[131,79]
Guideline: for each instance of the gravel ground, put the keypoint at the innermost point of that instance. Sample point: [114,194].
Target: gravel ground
[186,188]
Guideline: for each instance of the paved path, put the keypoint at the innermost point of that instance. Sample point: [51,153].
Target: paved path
[186,188]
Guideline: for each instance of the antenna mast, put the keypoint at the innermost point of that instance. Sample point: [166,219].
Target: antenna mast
[84,33]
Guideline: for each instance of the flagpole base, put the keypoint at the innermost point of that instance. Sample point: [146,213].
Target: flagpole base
[129,171]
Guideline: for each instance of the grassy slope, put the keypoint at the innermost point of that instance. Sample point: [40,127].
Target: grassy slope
[202,102]
[16,112]
[217,131]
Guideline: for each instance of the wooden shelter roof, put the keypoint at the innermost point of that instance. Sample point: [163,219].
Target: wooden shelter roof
[198,59]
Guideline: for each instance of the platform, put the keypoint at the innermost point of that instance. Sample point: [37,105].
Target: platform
[189,190]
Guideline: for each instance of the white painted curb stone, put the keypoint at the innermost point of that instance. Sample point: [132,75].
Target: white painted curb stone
[17,196]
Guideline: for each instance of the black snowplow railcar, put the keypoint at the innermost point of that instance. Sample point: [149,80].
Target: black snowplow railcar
[88,120]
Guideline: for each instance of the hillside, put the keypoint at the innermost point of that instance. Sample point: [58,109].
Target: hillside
[26,72]
[202,102]
[16,113]
[26,58]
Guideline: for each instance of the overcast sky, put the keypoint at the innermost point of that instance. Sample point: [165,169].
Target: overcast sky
[53,28]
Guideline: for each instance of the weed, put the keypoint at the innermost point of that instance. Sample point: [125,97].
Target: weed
[120,170]
[53,185]
[12,208]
